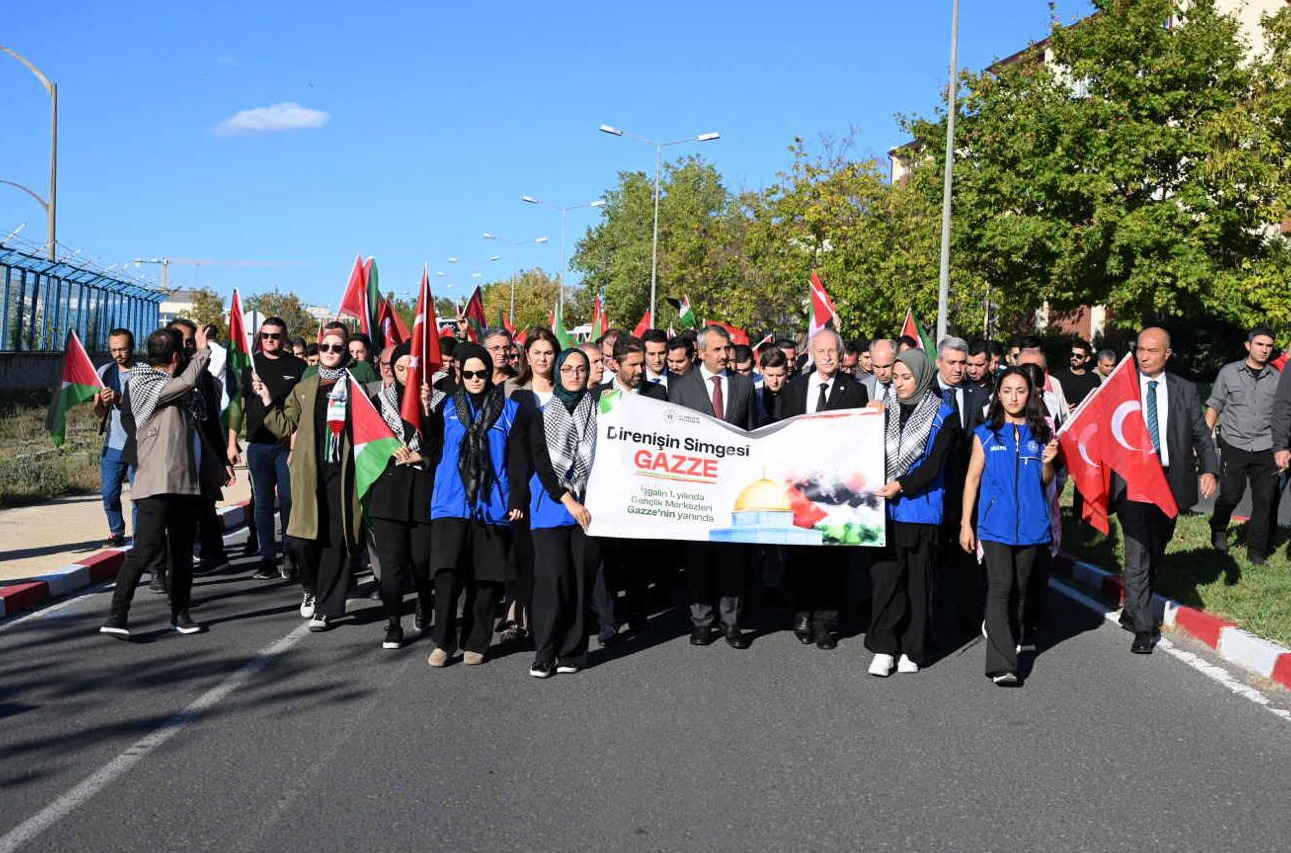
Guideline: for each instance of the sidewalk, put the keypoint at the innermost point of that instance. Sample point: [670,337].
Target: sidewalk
[43,538]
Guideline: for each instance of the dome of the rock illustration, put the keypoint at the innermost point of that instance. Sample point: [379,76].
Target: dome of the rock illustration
[763,494]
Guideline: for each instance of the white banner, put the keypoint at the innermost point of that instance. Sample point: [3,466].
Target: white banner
[663,471]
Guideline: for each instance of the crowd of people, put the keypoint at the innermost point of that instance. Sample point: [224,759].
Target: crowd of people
[482,517]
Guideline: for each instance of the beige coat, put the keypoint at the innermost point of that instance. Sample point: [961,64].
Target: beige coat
[297,415]
[168,448]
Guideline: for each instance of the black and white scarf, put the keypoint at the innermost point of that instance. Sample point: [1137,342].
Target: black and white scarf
[474,465]
[146,385]
[571,442]
[390,413]
[903,445]
[331,374]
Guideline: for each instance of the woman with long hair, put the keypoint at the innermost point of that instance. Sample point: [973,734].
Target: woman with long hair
[531,390]
[1012,463]
[560,446]
[399,503]
[476,498]
[325,517]
[920,431]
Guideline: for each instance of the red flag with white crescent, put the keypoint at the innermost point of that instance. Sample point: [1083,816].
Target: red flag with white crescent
[426,354]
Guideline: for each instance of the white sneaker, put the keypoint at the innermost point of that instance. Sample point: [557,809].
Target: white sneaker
[307,606]
[318,623]
[907,665]
[881,665]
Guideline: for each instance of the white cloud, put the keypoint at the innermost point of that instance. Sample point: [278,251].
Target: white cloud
[272,119]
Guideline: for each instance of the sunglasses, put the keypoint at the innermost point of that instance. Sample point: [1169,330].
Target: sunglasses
[271,336]
[475,374]
[332,348]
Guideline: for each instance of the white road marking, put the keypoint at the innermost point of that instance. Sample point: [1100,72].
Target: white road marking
[140,749]
[1206,668]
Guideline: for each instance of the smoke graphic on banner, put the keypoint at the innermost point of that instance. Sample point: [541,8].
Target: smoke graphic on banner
[663,471]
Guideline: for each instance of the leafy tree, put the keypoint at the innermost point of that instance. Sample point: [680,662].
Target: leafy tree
[275,303]
[535,296]
[208,308]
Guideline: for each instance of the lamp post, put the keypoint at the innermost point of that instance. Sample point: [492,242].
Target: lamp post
[165,270]
[658,163]
[564,209]
[51,203]
[943,285]
[536,240]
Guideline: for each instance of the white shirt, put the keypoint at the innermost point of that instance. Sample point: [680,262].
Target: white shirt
[660,379]
[813,390]
[1163,410]
[707,376]
[1056,401]
[958,391]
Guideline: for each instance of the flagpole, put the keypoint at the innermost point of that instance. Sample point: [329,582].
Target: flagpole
[943,287]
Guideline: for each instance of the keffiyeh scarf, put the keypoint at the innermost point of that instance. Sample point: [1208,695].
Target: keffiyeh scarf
[146,385]
[903,445]
[571,442]
[390,413]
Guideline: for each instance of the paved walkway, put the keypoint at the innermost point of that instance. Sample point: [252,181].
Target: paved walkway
[46,536]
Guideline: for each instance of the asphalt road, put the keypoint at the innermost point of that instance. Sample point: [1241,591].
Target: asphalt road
[326,742]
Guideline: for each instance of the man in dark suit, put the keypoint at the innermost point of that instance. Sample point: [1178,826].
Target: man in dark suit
[1178,431]
[818,576]
[716,572]
[956,594]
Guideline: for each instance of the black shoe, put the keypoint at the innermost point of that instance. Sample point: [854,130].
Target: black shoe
[1256,558]
[419,618]
[1142,643]
[636,626]
[609,639]
[209,567]
[1126,621]
[735,638]
[115,540]
[394,636]
[268,571]
[1219,541]
[184,624]
[542,669]
[567,668]
[288,570]
[115,626]
[159,584]
[702,636]
[802,628]
[825,639]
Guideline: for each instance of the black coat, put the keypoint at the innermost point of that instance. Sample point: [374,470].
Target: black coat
[1188,442]
[402,492]
[848,393]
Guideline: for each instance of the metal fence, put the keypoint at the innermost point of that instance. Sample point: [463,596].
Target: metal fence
[42,299]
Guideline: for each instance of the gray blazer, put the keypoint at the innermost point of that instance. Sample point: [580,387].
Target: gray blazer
[739,409]
[166,449]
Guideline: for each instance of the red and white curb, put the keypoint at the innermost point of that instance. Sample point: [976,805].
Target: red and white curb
[1231,642]
[91,569]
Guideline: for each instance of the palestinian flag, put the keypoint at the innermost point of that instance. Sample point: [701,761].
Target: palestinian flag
[374,443]
[910,328]
[504,322]
[476,320]
[600,323]
[426,356]
[558,328]
[644,326]
[78,383]
[238,360]
[685,315]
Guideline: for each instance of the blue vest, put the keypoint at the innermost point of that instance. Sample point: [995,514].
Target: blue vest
[543,511]
[449,498]
[1012,507]
[927,506]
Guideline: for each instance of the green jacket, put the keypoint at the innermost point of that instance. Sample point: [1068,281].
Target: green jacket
[362,371]
[296,415]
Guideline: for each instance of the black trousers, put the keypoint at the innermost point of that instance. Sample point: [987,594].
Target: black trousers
[899,578]
[402,551]
[1147,532]
[717,574]
[163,535]
[1237,467]
[818,578]
[1009,569]
[564,566]
[519,592]
[955,590]
[210,534]
[628,564]
[325,561]
[474,630]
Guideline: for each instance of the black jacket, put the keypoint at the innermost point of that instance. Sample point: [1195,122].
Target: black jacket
[1188,442]
[848,392]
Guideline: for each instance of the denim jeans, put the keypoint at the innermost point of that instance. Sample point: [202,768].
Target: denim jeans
[267,465]
[113,471]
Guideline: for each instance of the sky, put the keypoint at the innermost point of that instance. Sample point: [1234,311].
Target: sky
[304,133]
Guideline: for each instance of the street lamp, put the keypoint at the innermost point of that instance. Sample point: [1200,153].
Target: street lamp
[943,284]
[538,240]
[564,209]
[658,162]
[51,203]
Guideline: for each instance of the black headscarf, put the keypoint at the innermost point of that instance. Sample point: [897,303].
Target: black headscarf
[473,462]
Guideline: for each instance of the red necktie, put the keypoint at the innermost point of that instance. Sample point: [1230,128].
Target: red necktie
[718,408]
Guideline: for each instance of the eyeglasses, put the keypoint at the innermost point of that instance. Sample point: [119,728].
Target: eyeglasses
[475,374]
[572,371]
[271,336]
[338,348]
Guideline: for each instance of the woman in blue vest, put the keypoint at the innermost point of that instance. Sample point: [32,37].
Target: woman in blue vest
[1012,463]
[559,447]
[475,498]
[919,434]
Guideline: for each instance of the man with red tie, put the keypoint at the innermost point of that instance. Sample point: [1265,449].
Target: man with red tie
[716,572]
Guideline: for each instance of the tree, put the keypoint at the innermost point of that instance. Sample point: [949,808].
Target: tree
[1132,169]
[536,294]
[275,303]
[208,308]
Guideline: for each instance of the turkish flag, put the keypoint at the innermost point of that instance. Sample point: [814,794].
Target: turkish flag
[1109,433]
[643,326]
[738,335]
[354,301]
[426,355]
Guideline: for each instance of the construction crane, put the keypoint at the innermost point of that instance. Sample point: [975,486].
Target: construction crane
[208,262]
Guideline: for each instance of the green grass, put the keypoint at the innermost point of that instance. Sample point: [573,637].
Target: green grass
[1258,598]
[31,470]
